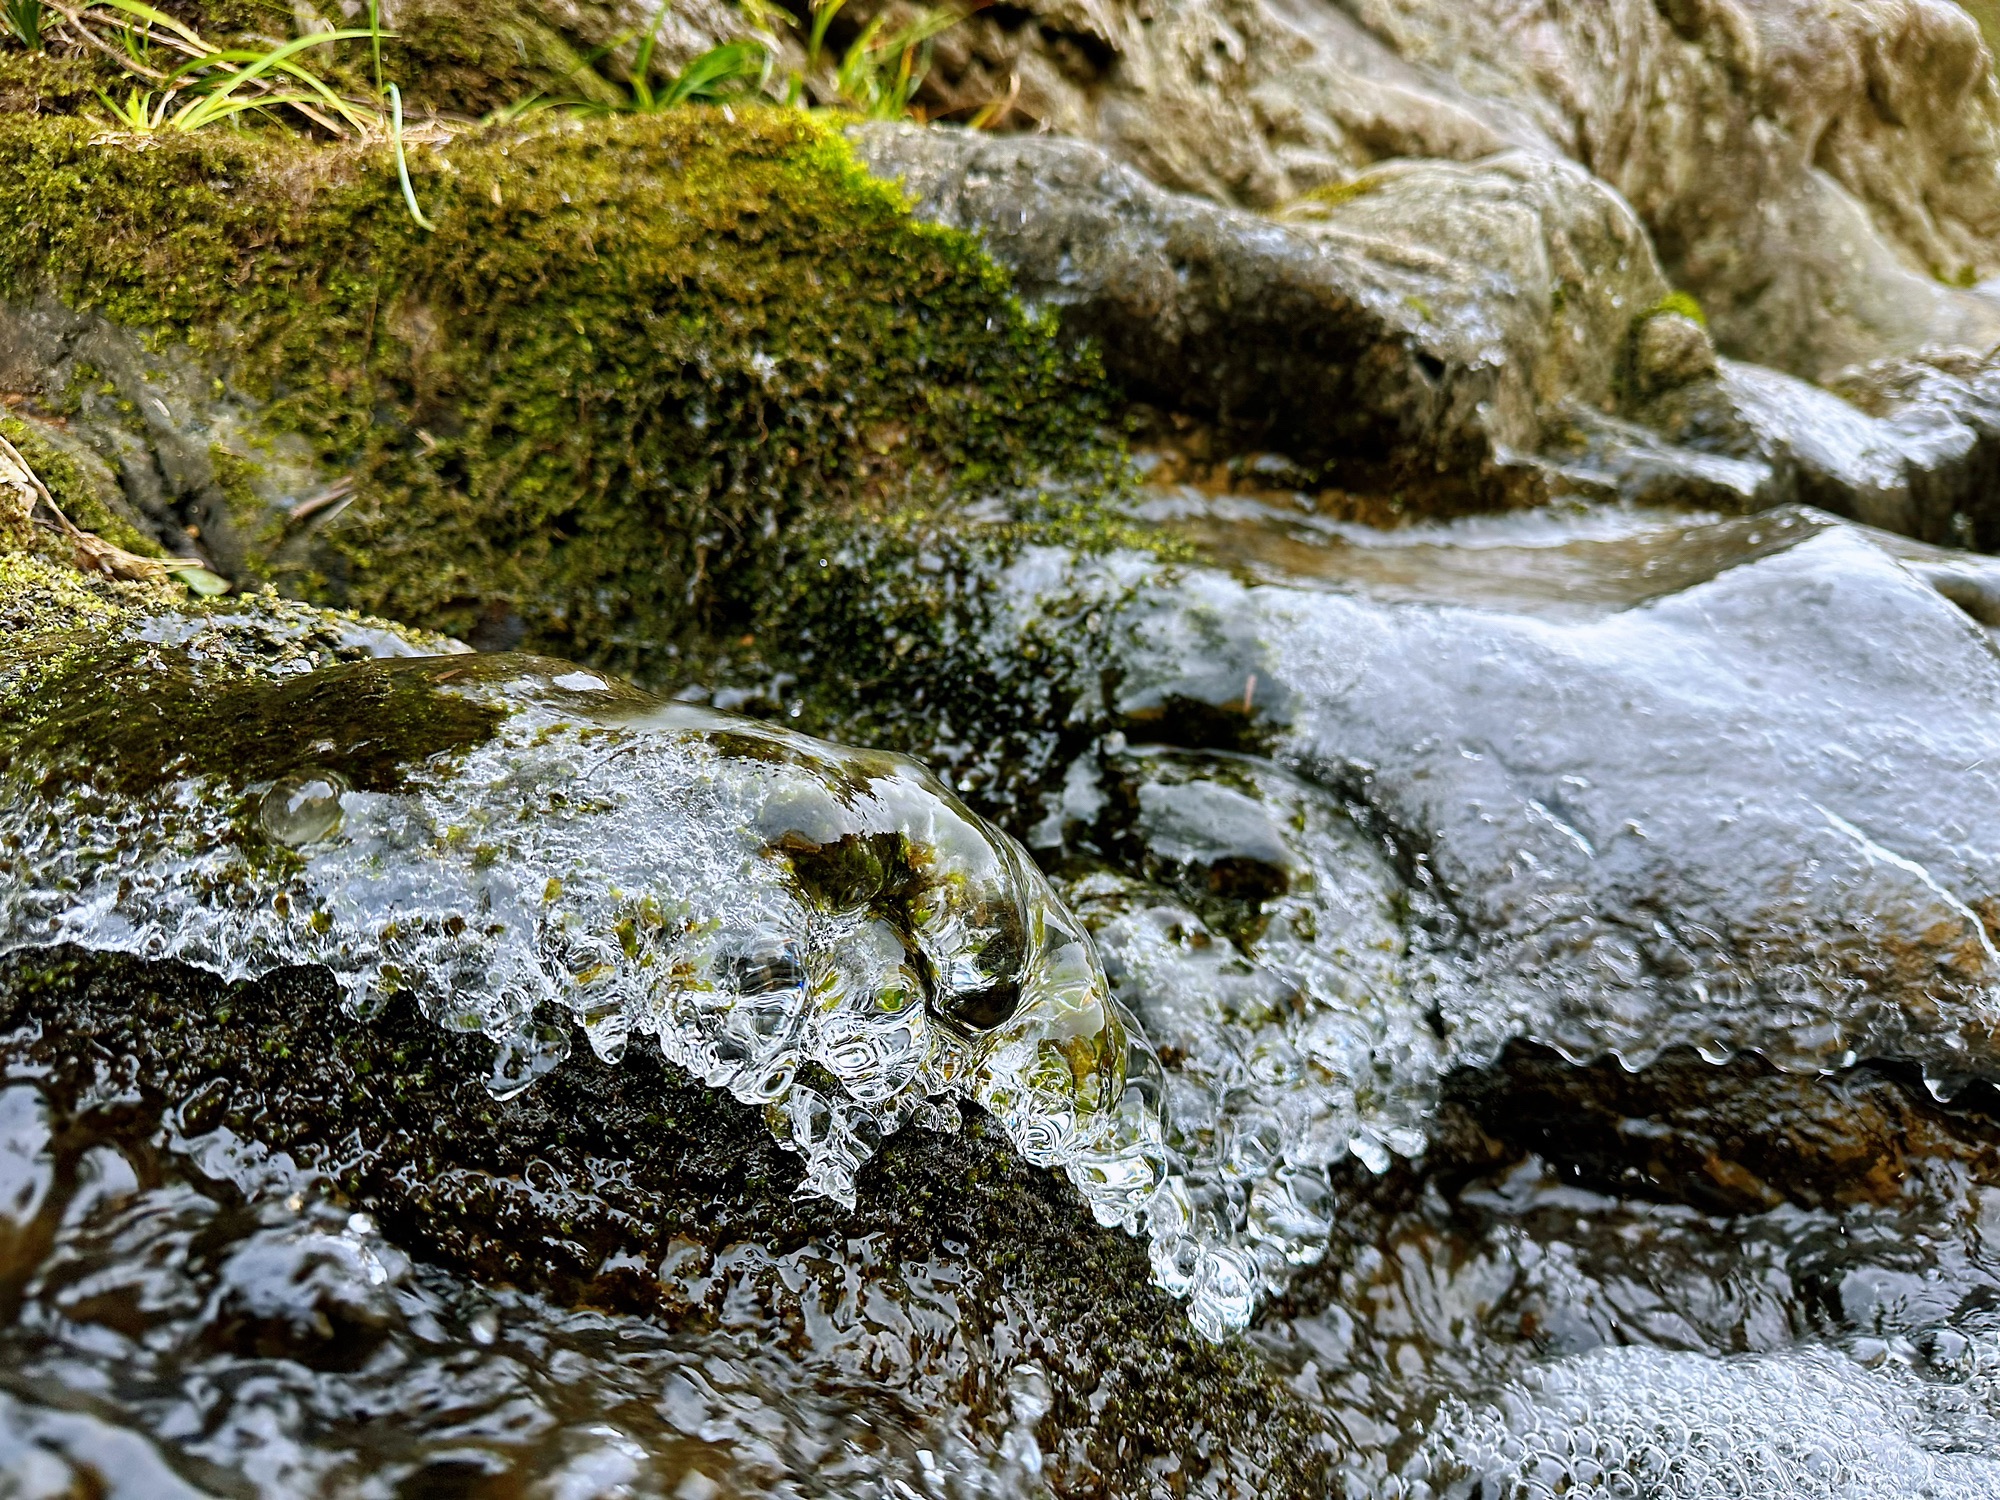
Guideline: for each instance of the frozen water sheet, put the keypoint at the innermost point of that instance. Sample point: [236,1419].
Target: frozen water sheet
[828,934]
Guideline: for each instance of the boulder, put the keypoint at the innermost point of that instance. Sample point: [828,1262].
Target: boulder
[1820,175]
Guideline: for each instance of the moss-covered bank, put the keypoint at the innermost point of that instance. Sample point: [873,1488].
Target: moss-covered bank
[632,355]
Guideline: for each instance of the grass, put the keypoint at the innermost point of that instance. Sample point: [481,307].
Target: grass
[225,82]
[708,78]
[170,78]
[212,85]
[26,19]
[878,73]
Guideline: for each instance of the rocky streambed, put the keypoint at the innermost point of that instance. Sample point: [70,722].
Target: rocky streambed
[1286,789]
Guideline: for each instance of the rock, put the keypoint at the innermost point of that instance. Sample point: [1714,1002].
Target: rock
[710,329]
[1749,849]
[1420,325]
[528,848]
[139,733]
[1614,834]
[1455,336]
[1670,349]
[327,1150]
[1819,175]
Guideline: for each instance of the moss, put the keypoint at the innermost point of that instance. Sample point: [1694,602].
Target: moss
[474,58]
[42,599]
[250,514]
[633,353]
[34,83]
[880,634]
[86,491]
[1333,194]
[135,723]
[1683,303]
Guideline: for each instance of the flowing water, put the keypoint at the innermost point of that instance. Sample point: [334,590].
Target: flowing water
[1375,880]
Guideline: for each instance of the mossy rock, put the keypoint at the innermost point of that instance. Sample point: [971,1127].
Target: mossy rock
[633,355]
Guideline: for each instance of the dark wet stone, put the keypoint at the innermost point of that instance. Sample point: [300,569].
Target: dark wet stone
[597,1184]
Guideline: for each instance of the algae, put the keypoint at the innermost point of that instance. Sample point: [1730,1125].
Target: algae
[1683,303]
[136,721]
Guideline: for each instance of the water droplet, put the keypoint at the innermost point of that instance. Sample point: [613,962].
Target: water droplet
[303,809]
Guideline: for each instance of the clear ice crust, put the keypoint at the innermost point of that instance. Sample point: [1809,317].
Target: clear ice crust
[825,933]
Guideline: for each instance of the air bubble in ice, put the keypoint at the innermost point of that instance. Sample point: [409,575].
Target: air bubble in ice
[303,809]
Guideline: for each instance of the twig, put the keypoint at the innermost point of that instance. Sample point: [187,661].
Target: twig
[91,552]
[312,505]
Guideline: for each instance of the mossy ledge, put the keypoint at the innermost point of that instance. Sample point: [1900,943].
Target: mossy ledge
[634,352]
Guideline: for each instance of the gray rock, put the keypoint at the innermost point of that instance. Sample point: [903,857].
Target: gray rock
[1821,175]
[1418,325]
[1496,332]
[187,450]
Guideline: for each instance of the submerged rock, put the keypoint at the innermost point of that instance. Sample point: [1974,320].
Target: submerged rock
[290,1250]
[1615,785]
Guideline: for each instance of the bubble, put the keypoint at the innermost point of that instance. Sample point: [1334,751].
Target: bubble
[303,809]
[1803,1423]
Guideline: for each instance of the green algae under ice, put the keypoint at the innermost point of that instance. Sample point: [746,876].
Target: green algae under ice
[522,844]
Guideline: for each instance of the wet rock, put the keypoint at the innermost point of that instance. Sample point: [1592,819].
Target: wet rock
[1670,349]
[1905,445]
[632,1189]
[1610,829]
[318,1294]
[1631,788]
[1419,324]
[1454,335]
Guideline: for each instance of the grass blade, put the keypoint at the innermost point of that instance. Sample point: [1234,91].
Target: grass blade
[713,71]
[402,162]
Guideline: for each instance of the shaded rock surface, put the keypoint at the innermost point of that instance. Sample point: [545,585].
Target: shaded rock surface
[1424,326]
[1454,334]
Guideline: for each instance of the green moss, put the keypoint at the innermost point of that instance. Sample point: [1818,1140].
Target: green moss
[634,352]
[1683,303]
[137,723]
[86,492]
[34,83]
[472,58]
[1333,194]
[254,519]
[879,634]
[42,600]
